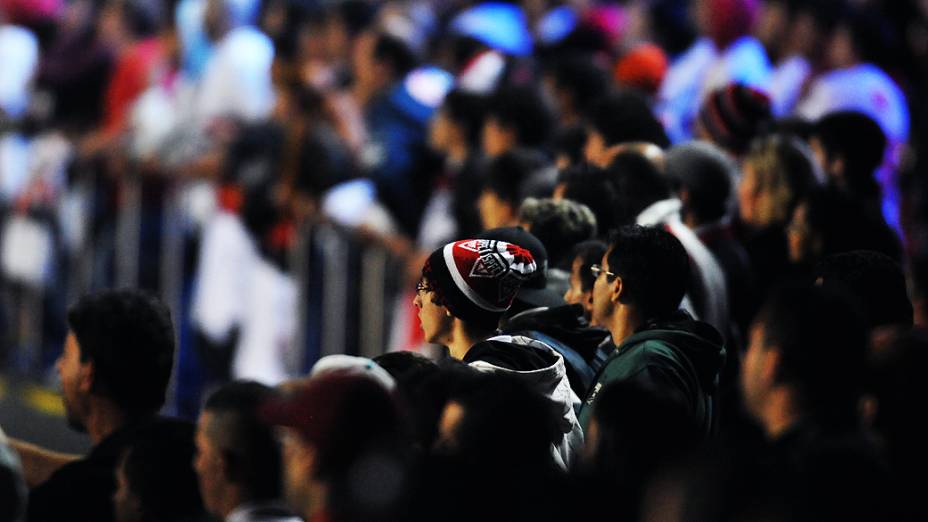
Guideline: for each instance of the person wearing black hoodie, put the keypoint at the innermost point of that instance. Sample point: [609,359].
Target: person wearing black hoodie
[636,296]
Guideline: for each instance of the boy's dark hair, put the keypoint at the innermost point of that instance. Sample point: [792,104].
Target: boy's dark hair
[559,225]
[872,36]
[654,268]
[624,117]
[583,80]
[129,337]
[396,53]
[467,111]
[417,379]
[590,185]
[523,110]
[876,279]
[842,224]
[570,142]
[507,176]
[637,183]
[504,421]
[159,469]
[706,173]
[858,140]
[822,337]
[248,445]
[590,253]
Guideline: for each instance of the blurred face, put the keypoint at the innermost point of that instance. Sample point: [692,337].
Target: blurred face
[800,238]
[841,49]
[496,138]
[451,418]
[595,150]
[494,212]
[575,293]
[441,132]
[748,194]
[126,505]
[603,306]
[209,466]
[755,371]
[434,319]
[76,379]
[298,458]
[772,24]
[215,20]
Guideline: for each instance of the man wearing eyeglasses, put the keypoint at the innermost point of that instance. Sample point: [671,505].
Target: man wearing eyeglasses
[637,292]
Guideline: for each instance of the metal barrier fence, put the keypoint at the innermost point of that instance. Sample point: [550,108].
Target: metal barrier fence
[346,287]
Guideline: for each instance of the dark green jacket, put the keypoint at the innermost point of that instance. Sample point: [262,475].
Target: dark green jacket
[682,358]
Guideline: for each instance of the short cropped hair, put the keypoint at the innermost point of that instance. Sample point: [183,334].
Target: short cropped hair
[244,440]
[559,225]
[654,268]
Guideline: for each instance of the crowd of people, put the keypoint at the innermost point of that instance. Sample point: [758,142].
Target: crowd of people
[665,252]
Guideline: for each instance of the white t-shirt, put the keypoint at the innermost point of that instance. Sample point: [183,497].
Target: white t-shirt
[19,57]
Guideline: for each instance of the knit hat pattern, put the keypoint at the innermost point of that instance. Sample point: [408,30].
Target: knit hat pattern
[734,115]
[477,279]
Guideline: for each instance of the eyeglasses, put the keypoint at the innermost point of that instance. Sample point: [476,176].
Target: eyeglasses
[596,270]
[422,286]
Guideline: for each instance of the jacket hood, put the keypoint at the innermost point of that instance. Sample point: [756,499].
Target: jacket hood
[533,362]
[699,341]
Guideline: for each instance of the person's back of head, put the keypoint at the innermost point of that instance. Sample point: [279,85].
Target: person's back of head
[578,79]
[522,112]
[500,422]
[128,336]
[821,336]
[654,268]
[851,147]
[876,279]
[590,186]
[703,175]
[638,183]
[248,447]
[466,111]
[158,482]
[559,225]
[506,180]
[778,172]
[624,117]
[635,434]
[415,376]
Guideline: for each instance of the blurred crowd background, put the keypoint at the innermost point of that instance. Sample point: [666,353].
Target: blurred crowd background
[277,170]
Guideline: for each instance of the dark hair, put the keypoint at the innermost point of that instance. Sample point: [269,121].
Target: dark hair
[637,183]
[141,18]
[872,36]
[642,432]
[590,185]
[624,117]
[559,225]
[248,445]
[590,253]
[570,142]
[129,337]
[673,27]
[504,422]
[159,469]
[654,268]
[396,53]
[706,173]
[523,110]
[876,279]
[416,378]
[466,110]
[822,338]
[843,224]
[507,176]
[583,80]
[859,141]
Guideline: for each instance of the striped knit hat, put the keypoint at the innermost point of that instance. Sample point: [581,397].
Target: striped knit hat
[477,279]
[734,115]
